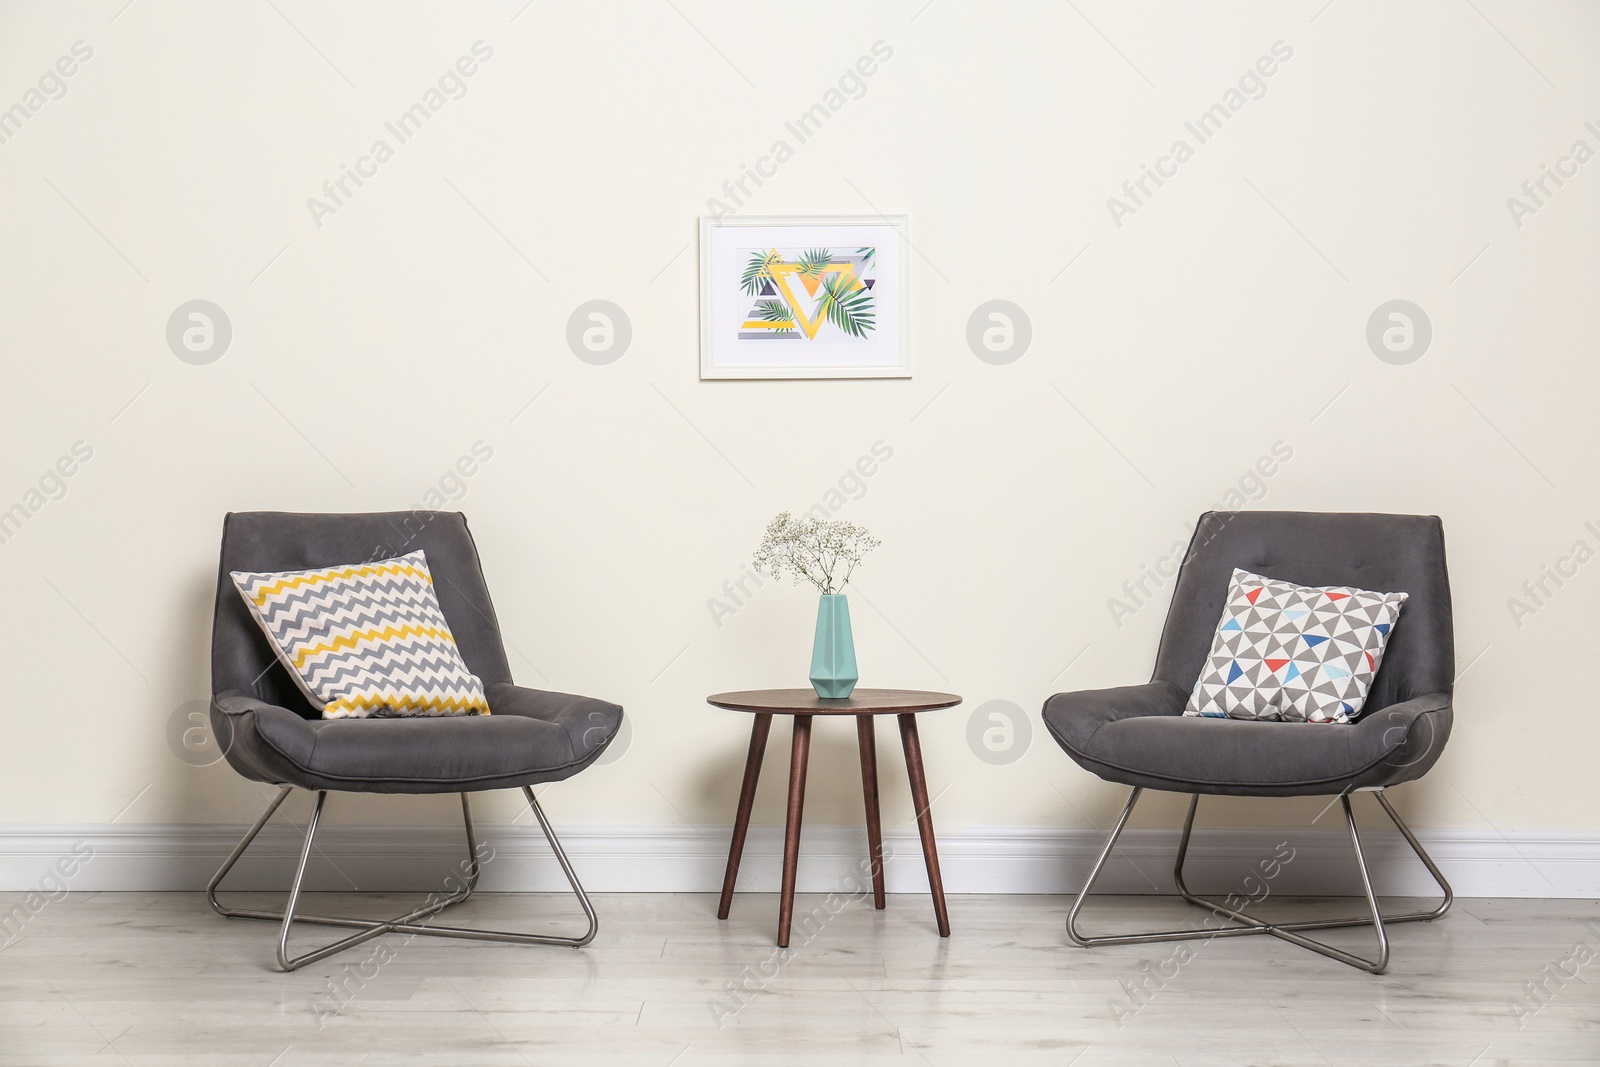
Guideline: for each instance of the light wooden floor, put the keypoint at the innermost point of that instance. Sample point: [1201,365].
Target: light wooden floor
[157,979]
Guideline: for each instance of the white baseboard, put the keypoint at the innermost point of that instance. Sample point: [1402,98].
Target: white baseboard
[691,859]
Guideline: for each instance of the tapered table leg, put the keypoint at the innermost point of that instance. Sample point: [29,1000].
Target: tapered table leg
[919,797]
[799,753]
[747,800]
[869,789]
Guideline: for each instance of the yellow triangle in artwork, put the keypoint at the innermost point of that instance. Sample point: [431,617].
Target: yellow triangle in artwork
[781,273]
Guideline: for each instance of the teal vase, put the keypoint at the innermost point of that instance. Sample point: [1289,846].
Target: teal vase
[833,656]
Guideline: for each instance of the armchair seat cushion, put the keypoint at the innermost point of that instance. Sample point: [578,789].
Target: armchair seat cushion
[530,737]
[1138,736]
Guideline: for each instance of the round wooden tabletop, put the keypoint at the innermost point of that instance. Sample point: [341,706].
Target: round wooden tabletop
[860,702]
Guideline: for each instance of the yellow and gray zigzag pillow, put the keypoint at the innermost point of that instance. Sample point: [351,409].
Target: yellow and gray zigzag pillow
[366,639]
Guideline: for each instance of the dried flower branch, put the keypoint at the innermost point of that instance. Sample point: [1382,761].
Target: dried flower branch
[824,552]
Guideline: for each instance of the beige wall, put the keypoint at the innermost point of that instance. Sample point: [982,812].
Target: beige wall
[1226,314]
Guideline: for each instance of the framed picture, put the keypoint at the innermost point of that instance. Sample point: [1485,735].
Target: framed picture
[805,296]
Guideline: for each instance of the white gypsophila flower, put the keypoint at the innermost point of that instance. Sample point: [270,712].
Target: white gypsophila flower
[823,552]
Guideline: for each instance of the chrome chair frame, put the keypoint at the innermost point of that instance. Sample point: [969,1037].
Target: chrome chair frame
[407,923]
[1250,924]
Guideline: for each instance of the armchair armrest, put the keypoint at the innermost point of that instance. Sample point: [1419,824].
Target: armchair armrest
[236,703]
[590,723]
[250,731]
[1412,734]
[1073,718]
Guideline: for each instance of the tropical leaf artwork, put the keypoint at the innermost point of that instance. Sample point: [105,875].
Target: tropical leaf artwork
[758,271]
[814,262]
[777,313]
[847,305]
[808,294]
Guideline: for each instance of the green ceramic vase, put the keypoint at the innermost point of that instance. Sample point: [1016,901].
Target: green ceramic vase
[833,655]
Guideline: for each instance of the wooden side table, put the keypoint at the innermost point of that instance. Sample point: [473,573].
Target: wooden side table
[804,705]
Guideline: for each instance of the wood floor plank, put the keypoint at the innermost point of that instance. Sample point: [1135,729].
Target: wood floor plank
[157,978]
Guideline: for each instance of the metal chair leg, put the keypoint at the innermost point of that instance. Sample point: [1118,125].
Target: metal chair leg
[1427,861]
[238,850]
[572,878]
[1249,924]
[1378,965]
[474,868]
[295,963]
[1094,875]
[407,923]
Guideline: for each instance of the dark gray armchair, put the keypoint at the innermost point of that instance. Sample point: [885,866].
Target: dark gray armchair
[1138,736]
[270,732]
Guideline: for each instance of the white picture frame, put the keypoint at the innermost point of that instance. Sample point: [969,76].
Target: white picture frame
[848,313]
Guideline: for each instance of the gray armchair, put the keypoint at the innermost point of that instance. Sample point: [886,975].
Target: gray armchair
[270,732]
[1137,736]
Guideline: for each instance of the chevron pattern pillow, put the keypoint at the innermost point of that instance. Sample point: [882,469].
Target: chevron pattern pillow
[365,640]
[1294,653]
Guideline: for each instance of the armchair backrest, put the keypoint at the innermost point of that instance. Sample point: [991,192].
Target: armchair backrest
[1384,553]
[241,658]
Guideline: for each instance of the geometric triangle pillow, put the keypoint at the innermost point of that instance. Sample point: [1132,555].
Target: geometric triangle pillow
[364,640]
[1294,653]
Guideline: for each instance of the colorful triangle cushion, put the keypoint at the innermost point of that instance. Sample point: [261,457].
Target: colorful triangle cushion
[1294,653]
[364,640]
